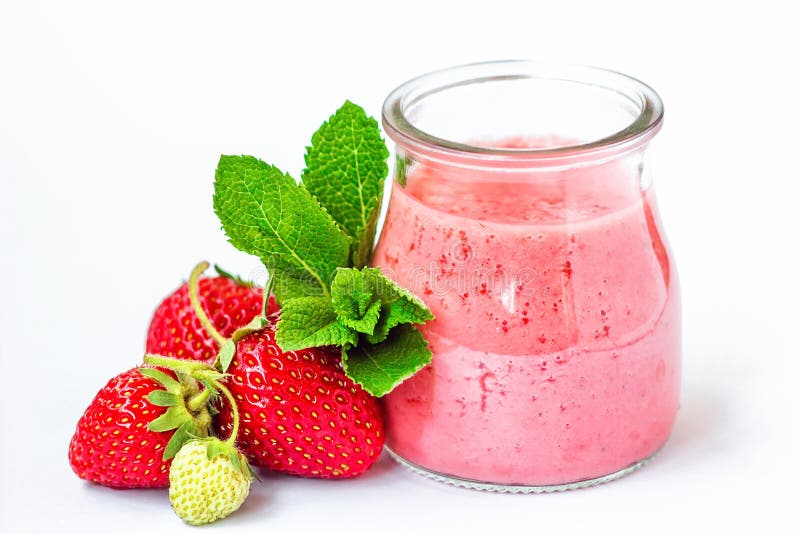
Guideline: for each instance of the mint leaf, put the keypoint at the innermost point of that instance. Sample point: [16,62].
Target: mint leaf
[311,322]
[399,306]
[380,368]
[354,300]
[392,315]
[361,249]
[372,304]
[265,213]
[370,317]
[316,239]
[345,170]
[390,292]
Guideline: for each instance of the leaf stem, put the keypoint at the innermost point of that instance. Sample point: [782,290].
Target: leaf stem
[198,309]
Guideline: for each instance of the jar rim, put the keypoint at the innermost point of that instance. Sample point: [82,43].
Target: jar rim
[640,130]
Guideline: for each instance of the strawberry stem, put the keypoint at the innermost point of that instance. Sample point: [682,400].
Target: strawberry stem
[234,412]
[198,309]
[198,401]
[189,367]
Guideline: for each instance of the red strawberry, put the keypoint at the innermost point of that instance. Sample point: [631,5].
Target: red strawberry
[112,444]
[299,413]
[176,331]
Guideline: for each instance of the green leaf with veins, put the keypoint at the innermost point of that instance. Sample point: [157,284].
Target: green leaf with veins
[311,322]
[345,170]
[355,301]
[315,239]
[363,310]
[381,367]
[264,212]
[398,305]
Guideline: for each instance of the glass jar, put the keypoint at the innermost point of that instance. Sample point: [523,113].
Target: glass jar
[523,214]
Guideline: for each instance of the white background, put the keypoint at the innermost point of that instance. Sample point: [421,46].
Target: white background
[112,117]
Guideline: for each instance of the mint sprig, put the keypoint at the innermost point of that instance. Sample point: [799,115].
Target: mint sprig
[379,368]
[311,322]
[361,316]
[364,308]
[315,239]
[345,170]
[265,212]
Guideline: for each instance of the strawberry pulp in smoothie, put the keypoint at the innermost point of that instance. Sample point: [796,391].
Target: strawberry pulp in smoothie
[557,333]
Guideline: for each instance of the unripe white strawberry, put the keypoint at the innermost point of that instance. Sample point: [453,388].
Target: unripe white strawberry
[208,480]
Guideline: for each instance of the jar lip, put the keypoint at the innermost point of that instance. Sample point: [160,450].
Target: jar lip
[640,130]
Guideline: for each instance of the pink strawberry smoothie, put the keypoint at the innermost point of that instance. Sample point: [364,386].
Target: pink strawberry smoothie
[557,333]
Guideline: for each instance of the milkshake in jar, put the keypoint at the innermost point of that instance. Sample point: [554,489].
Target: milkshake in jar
[523,214]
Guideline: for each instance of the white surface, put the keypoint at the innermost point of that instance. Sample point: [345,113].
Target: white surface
[112,118]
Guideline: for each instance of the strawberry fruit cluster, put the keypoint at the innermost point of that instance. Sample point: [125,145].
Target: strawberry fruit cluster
[283,378]
[299,413]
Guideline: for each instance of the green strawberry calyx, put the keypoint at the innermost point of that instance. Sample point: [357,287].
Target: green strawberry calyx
[189,405]
[188,398]
[238,280]
[217,447]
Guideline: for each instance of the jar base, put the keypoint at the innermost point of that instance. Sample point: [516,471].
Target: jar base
[515,488]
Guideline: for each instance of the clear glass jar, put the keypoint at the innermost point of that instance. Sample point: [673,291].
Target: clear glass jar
[522,214]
